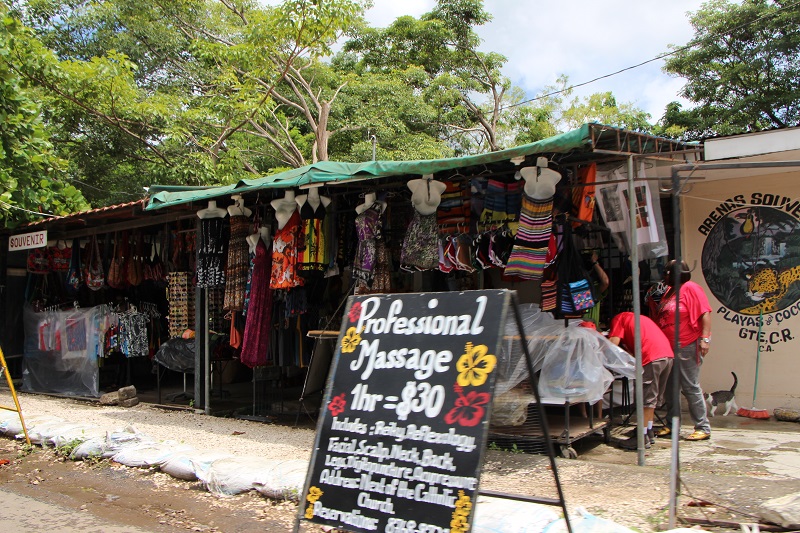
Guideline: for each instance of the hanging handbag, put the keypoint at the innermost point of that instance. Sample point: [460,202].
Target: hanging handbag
[116,277]
[576,292]
[95,277]
[135,264]
[74,273]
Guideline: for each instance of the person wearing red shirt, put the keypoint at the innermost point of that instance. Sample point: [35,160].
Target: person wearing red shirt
[695,338]
[657,358]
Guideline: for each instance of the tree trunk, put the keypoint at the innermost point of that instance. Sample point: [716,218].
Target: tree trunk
[320,151]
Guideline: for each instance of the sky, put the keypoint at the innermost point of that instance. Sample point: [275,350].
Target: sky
[583,39]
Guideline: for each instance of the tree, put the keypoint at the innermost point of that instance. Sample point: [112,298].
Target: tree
[465,84]
[31,174]
[742,68]
[178,84]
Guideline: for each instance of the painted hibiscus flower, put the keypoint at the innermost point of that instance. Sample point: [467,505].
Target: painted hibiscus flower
[475,365]
[355,312]
[338,405]
[350,340]
[469,409]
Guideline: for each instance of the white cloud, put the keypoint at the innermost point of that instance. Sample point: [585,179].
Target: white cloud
[580,38]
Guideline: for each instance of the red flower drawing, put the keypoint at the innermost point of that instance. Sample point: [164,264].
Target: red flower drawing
[355,312]
[468,411]
[338,405]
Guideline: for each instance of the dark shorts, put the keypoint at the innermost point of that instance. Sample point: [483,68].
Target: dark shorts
[654,381]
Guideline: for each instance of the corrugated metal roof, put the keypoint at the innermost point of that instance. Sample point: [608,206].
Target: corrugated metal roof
[110,210]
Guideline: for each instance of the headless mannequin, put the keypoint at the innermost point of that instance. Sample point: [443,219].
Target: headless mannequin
[284,208]
[212,211]
[238,207]
[313,198]
[370,199]
[540,181]
[426,194]
[261,233]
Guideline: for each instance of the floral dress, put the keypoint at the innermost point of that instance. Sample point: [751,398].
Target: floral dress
[421,245]
[284,273]
[368,228]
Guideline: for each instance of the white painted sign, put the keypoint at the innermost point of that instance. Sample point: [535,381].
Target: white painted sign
[26,241]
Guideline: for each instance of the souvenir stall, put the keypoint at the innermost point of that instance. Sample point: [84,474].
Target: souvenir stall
[94,308]
[288,249]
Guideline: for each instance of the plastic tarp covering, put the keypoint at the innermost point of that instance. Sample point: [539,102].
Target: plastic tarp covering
[176,354]
[576,364]
[61,351]
[334,171]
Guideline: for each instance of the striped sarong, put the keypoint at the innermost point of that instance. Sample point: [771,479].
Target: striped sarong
[528,257]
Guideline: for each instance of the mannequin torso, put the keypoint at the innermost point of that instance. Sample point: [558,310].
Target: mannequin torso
[238,208]
[426,194]
[540,183]
[313,199]
[284,208]
[370,199]
[212,211]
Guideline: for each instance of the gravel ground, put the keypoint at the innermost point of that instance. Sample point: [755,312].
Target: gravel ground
[604,480]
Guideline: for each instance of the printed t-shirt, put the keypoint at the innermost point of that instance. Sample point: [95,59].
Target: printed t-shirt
[655,344]
[693,305]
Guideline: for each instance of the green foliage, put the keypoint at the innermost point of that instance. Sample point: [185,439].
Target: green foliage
[32,178]
[66,449]
[742,69]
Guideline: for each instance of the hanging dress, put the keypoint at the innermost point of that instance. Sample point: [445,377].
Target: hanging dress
[211,253]
[258,327]
[529,255]
[284,273]
[238,262]
[312,256]
[368,230]
[421,244]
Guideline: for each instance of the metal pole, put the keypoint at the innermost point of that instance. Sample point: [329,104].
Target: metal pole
[374,140]
[633,210]
[207,362]
[676,365]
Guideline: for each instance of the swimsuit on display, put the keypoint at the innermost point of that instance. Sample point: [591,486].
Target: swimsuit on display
[528,257]
[284,255]
[312,253]
[420,247]
[238,264]
[211,253]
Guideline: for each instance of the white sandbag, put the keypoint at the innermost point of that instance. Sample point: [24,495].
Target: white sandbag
[78,434]
[148,453]
[58,435]
[501,515]
[584,522]
[182,465]
[12,427]
[110,444]
[39,432]
[234,475]
[284,480]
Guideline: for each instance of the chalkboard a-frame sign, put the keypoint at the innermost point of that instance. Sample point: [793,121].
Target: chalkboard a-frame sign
[403,427]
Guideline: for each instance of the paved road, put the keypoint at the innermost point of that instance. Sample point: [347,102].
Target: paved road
[24,514]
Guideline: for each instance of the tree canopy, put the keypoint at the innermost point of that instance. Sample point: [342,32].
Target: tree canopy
[742,69]
[205,92]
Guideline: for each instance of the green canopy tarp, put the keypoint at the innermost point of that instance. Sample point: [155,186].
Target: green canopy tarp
[332,172]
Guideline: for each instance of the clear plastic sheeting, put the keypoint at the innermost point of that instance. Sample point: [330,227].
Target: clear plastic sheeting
[61,351]
[576,365]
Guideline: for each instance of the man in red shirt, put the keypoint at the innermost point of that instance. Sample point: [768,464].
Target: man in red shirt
[657,358]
